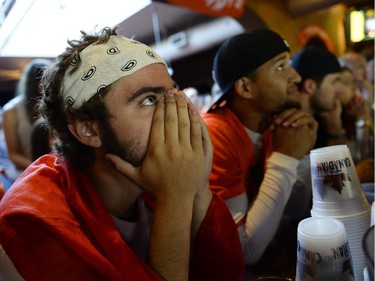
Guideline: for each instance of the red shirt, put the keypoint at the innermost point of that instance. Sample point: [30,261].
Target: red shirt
[54,226]
[234,155]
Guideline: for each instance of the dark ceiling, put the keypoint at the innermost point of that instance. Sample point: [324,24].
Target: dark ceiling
[158,21]
[161,19]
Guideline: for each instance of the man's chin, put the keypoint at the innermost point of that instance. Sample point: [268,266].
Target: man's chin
[289,104]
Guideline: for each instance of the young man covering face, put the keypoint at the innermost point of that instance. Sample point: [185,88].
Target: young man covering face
[125,196]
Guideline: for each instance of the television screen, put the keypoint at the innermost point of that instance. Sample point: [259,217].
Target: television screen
[360,24]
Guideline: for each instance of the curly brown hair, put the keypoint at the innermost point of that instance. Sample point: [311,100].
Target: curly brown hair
[56,113]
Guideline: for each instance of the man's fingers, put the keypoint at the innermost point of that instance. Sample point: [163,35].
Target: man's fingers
[283,116]
[305,120]
[123,167]
[157,134]
[183,119]
[195,128]
[171,118]
[294,118]
[207,144]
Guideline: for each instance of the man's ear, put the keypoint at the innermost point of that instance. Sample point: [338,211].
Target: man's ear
[86,132]
[309,86]
[243,87]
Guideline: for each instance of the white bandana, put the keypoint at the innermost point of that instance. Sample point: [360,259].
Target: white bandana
[103,64]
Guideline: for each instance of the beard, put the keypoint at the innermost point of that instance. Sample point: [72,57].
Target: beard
[129,151]
[288,104]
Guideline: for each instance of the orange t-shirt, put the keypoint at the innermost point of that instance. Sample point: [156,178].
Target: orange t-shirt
[234,155]
[54,226]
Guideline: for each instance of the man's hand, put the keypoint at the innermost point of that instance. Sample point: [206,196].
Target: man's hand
[357,107]
[179,155]
[332,119]
[294,133]
[175,171]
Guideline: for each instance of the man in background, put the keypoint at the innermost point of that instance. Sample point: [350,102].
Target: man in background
[259,135]
[320,87]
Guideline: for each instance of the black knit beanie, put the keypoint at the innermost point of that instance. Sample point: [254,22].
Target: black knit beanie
[315,62]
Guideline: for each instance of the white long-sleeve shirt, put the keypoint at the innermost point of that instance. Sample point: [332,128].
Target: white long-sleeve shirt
[263,215]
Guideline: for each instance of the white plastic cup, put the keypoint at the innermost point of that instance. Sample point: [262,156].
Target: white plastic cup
[323,251]
[356,225]
[345,207]
[335,182]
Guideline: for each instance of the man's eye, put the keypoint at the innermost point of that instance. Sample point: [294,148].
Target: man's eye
[149,100]
[281,67]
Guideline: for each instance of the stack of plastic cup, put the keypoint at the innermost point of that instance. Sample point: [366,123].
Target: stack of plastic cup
[323,251]
[337,193]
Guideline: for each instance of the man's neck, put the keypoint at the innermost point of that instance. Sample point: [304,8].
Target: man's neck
[117,192]
[306,103]
[251,118]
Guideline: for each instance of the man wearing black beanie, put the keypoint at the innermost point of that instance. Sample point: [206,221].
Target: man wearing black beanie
[259,135]
[319,90]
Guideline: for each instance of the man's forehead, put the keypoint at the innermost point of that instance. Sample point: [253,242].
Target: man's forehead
[276,59]
[281,56]
[154,75]
[103,64]
[333,76]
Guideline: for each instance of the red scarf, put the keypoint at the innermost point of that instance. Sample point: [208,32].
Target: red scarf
[54,226]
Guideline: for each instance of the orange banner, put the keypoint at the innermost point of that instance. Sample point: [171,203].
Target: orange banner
[232,8]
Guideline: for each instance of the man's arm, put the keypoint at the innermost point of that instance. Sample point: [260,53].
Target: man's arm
[294,134]
[173,170]
[264,215]
[204,194]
